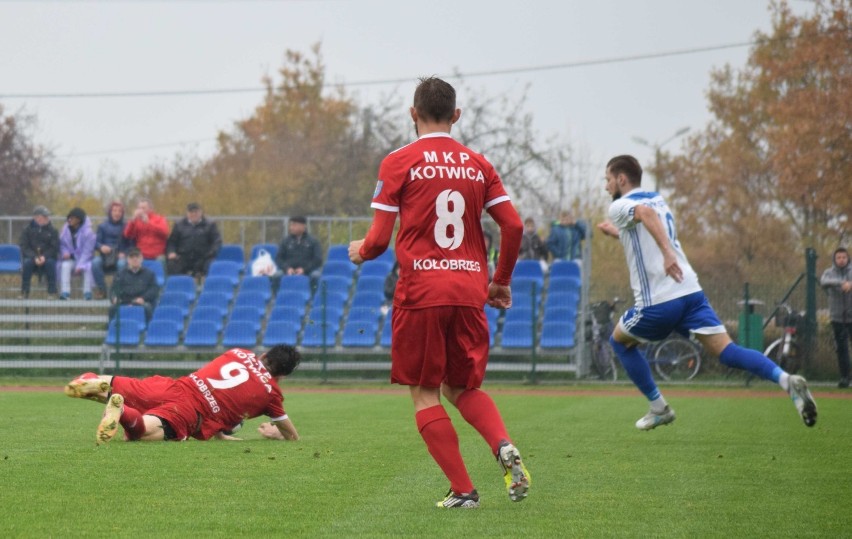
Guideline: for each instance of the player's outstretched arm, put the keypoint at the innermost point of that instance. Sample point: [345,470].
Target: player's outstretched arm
[608,229]
[287,429]
[377,240]
[227,437]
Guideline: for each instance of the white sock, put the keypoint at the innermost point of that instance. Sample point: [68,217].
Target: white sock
[658,405]
[784,381]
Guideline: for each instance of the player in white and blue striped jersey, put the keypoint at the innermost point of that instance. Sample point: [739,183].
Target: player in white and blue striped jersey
[667,297]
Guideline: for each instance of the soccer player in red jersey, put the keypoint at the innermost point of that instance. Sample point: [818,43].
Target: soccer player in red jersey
[206,403]
[439,341]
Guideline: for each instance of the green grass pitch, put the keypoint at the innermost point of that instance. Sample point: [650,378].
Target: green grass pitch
[739,464]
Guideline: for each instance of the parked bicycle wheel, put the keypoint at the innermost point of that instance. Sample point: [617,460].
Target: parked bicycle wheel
[791,361]
[677,359]
[603,361]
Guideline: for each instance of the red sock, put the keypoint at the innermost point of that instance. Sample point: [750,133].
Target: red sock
[133,423]
[443,443]
[477,408]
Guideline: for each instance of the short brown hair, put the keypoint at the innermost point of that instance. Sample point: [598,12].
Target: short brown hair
[627,165]
[435,100]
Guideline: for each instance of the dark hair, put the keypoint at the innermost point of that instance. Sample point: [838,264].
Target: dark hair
[435,100]
[627,165]
[282,359]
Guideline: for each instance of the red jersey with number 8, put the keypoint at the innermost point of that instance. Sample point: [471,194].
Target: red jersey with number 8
[233,387]
[439,187]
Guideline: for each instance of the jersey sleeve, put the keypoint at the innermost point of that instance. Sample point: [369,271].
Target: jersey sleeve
[495,191]
[388,187]
[621,213]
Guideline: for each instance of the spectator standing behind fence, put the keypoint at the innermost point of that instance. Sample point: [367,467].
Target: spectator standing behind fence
[134,285]
[110,247]
[193,244]
[76,249]
[299,252]
[39,251]
[532,246]
[837,282]
[149,230]
[566,236]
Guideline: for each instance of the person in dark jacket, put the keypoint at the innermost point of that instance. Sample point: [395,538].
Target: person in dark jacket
[299,252]
[566,236]
[110,247]
[837,282]
[39,251]
[134,285]
[193,243]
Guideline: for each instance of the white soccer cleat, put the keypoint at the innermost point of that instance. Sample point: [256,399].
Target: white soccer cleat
[802,398]
[88,386]
[515,473]
[109,423]
[652,420]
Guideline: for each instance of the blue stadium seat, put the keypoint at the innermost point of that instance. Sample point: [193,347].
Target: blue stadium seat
[334,283]
[385,338]
[132,312]
[376,268]
[259,284]
[226,269]
[370,283]
[313,336]
[169,313]
[388,256]
[362,314]
[280,332]
[201,333]
[175,299]
[181,284]
[157,267]
[529,269]
[372,300]
[332,317]
[232,252]
[253,300]
[128,333]
[556,299]
[563,285]
[557,334]
[565,269]
[517,335]
[220,284]
[10,258]
[293,299]
[240,334]
[162,333]
[519,313]
[525,287]
[210,314]
[560,314]
[217,300]
[333,300]
[246,314]
[359,334]
[296,283]
[339,268]
[283,313]
[338,253]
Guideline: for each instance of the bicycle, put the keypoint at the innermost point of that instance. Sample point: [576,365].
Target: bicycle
[675,358]
[599,328]
[785,351]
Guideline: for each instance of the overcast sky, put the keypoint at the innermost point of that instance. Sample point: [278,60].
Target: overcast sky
[86,47]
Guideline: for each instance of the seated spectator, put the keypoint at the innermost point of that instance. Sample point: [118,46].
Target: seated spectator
[39,250]
[299,252]
[193,243]
[134,285]
[148,230]
[532,246]
[76,249]
[110,247]
[566,236]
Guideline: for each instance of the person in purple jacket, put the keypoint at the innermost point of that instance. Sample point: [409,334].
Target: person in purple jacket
[76,248]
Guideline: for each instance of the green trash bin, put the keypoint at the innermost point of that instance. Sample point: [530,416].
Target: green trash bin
[750,333]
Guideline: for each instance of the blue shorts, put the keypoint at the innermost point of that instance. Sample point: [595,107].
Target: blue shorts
[687,314]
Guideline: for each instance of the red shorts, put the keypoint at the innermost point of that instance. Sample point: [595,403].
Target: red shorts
[439,344]
[143,394]
[162,397]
